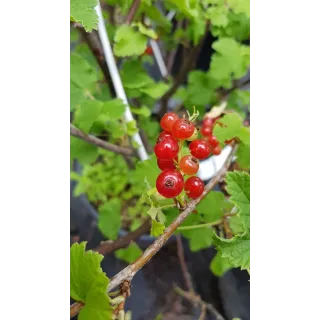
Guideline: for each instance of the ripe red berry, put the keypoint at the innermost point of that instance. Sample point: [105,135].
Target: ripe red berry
[207,122]
[206,131]
[166,148]
[148,51]
[182,129]
[165,134]
[200,149]
[166,164]
[194,135]
[169,183]
[189,165]
[216,150]
[213,141]
[194,187]
[168,120]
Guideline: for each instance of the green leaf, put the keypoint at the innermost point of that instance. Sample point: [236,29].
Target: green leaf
[132,127]
[232,127]
[196,30]
[88,112]
[219,265]
[82,74]
[110,219]
[76,96]
[157,228]
[83,11]
[236,250]
[114,109]
[212,206]
[129,42]
[155,90]
[84,152]
[144,111]
[243,156]
[238,186]
[187,7]
[146,31]
[88,283]
[236,225]
[134,76]
[130,253]
[218,15]
[240,6]
[200,239]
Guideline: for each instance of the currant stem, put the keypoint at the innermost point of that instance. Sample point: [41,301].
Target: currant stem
[198,226]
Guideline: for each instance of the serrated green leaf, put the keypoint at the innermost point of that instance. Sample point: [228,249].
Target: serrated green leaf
[130,253]
[155,90]
[236,250]
[219,265]
[146,31]
[83,11]
[218,15]
[114,109]
[238,186]
[212,206]
[236,225]
[110,219]
[134,76]
[129,42]
[200,239]
[88,113]
[84,152]
[157,228]
[232,127]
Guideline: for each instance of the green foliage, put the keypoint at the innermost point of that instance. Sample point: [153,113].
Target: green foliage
[110,219]
[219,265]
[238,186]
[83,11]
[84,152]
[235,250]
[129,254]
[200,239]
[211,207]
[88,283]
[157,228]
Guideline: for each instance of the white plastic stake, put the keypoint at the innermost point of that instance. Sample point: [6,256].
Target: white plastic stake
[114,73]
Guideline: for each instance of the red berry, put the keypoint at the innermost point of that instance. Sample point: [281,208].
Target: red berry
[169,183]
[216,150]
[207,122]
[206,131]
[165,134]
[166,148]
[200,149]
[182,129]
[148,51]
[213,141]
[189,165]
[194,187]
[166,164]
[168,120]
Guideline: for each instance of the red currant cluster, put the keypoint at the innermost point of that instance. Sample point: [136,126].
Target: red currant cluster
[206,131]
[170,182]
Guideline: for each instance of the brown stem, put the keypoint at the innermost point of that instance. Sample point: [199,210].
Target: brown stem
[75,308]
[75,132]
[93,42]
[132,11]
[186,274]
[110,246]
[129,272]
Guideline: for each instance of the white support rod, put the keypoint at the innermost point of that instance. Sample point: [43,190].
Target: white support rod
[158,57]
[114,73]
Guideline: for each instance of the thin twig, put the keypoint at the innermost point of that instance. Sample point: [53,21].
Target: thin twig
[184,267]
[132,11]
[110,246]
[197,301]
[75,132]
[129,272]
